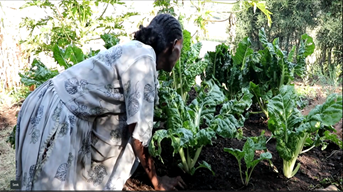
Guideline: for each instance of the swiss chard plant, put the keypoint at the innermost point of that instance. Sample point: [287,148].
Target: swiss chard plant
[221,67]
[251,145]
[291,129]
[277,68]
[182,77]
[37,74]
[184,123]
[263,71]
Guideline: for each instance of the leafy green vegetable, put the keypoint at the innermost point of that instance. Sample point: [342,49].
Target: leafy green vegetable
[182,78]
[184,122]
[37,74]
[184,125]
[263,71]
[248,153]
[306,48]
[110,40]
[68,57]
[291,129]
[230,116]
[221,67]
[277,69]
[243,53]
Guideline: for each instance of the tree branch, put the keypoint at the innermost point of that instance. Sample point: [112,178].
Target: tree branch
[103,11]
[224,2]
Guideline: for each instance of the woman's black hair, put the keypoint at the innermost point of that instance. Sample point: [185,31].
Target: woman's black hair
[160,33]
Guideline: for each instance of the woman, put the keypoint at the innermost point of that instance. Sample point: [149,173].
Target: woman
[89,127]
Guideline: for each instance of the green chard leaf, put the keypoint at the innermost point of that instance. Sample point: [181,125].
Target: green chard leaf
[284,118]
[203,164]
[157,138]
[330,112]
[230,117]
[243,53]
[306,48]
[235,152]
[37,74]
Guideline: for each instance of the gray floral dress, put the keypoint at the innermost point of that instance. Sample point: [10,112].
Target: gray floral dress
[72,131]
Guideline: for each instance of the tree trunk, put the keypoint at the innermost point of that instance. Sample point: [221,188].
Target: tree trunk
[329,59]
[280,43]
[323,58]
[287,42]
[297,43]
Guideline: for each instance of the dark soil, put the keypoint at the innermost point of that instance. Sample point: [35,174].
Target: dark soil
[319,168]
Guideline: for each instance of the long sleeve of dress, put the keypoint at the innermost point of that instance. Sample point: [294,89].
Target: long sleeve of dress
[139,94]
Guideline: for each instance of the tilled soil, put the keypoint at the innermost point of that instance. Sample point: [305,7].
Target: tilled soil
[318,169]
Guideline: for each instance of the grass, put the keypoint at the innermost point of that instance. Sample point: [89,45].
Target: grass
[7,159]
[316,90]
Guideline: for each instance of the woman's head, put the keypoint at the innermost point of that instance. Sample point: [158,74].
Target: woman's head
[164,35]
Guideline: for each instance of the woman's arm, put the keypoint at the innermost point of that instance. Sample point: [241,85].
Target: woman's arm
[159,183]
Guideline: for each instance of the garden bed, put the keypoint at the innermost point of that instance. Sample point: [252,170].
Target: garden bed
[319,169]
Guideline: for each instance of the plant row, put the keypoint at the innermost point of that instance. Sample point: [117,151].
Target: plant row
[234,81]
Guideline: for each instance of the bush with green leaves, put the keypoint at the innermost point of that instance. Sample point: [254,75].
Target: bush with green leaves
[70,22]
[38,73]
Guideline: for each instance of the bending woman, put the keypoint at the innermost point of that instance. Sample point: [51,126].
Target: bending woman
[89,127]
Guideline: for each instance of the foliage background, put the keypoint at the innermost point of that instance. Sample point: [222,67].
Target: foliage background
[322,20]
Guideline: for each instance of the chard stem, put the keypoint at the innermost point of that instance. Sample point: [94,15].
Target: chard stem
[188,158]
[180,77]
[306,150]
[256,112]
[271,136]
[288,166]
[248,178]
[196,156]
[183,159]
[240,171]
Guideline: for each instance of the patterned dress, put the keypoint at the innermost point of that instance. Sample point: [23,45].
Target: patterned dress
[72,131]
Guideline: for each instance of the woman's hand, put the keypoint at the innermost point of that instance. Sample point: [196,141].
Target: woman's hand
[166,183]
